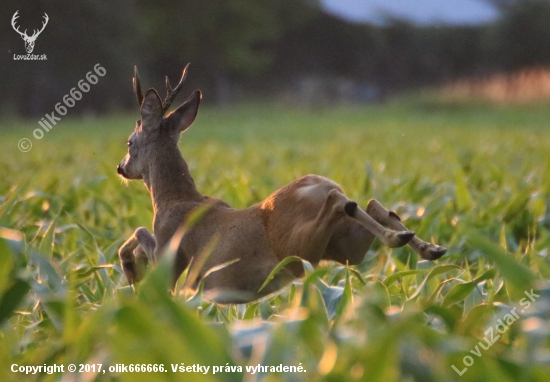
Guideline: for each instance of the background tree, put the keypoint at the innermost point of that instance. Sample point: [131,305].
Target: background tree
[248,48]
[78,36]
[522,35]
[224,40]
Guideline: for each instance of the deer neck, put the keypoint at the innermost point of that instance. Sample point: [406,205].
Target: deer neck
[169,180]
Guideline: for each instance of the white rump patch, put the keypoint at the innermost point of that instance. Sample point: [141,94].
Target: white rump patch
[307,191]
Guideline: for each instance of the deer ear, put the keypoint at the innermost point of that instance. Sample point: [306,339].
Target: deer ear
[151,111]
[181,118]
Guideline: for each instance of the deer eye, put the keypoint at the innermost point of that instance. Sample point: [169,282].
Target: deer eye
[129,143]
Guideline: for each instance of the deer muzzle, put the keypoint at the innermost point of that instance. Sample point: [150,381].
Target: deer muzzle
[120,171]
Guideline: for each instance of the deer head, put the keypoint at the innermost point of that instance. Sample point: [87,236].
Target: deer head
[29,40]
[155,135]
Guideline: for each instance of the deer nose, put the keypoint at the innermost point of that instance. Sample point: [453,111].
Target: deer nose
[119,170]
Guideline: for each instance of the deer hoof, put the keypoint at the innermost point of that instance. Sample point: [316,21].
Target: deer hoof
[399,238]
[129,269]
[404,237]
[432,252]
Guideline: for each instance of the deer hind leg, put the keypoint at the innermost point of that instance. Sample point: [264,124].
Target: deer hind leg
[426,250]
[135,253]
[351,238]
[349,243]
[309,240]
[388,237]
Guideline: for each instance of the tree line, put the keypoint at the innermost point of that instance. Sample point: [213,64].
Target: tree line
[248,48]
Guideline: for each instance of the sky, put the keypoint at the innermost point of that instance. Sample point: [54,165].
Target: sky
[418,11]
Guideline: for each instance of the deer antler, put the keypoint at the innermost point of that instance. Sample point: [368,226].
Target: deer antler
[137,86]
[24,34]
[15,16]
[36,33]
[172,93]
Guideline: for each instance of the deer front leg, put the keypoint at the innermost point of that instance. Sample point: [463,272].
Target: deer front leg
[426,250]
[135,253]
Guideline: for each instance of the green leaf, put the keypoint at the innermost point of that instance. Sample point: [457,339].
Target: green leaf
[397,275]
[476,318]
[487,275]
[332,296]
[85,229]
[458,293]
[47,271]
[517,275]
[357,275]
[266,310]
[314,277]
[463,198]
[278,268]
[517,205]
[448,315]
[12,297]
[6,264]
[177,322]
[250,312]
[84,272]
[381,295]
[140,338]
[437,270]
[6,208]
[47,243]
[347,297]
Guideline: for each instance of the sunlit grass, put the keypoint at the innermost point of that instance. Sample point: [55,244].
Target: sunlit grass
[472,177]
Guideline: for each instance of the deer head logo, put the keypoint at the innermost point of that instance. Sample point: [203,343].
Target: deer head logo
[29,40]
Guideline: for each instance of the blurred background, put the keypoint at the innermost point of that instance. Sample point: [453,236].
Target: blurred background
[304,52]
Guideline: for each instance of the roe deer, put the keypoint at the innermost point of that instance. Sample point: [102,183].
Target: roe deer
[310,218]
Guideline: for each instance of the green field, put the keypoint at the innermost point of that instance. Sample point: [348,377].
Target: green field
[472,177]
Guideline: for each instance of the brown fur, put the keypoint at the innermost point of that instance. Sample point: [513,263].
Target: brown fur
[310,218]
